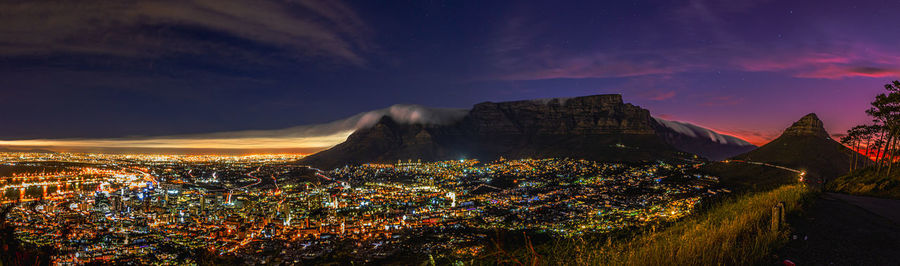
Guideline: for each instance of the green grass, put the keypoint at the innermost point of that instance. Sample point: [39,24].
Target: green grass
[733,232]
[866,182]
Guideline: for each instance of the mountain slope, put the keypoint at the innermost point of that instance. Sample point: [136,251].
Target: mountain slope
[386,141]
[599,127]
[805,145]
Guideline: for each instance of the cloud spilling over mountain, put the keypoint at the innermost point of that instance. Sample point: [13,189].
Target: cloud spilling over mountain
[696,131]
[317,137]
[402,113]
[702,141]
[306,138]
[596,127]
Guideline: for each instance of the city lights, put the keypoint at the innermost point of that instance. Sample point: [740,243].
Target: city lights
[152,208]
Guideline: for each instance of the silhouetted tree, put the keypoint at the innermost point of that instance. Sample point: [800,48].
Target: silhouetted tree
[883,136]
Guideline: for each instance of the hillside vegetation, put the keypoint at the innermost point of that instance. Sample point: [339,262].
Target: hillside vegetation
[733,232]
[866,182]
[744,177]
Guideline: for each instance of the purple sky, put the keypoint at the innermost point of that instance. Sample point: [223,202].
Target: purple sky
[95,69]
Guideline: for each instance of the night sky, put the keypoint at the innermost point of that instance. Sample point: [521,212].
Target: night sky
[103,69]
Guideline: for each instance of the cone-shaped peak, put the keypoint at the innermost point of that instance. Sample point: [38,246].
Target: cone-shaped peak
[809,125]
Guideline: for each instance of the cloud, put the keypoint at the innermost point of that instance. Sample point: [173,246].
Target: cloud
[696,131]
[318,29]
[320,142]
[594,66]
[522,49]
[756,137]
[666,116]
[695,36]
[309,138]
[839,72]
[662,96]
[833,62]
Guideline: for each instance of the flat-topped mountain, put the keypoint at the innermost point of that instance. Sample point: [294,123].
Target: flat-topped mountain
[805,145]
[599,114]
[598,127]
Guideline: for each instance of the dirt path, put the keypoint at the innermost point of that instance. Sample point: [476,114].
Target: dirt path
[845,230]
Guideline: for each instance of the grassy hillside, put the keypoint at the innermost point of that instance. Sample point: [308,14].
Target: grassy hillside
[734,232]
[865,182]
[742,177]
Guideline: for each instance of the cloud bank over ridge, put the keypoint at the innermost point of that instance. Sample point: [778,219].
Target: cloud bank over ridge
[701,132]
[306,138]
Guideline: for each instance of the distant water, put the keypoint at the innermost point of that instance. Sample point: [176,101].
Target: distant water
[35,192]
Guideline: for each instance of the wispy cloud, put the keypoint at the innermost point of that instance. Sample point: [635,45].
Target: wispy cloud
[838,72]
[699,36]
[660,95]
[304,28]
[517,53]
[249,143]
[307,138]
[834,61]
[587,66]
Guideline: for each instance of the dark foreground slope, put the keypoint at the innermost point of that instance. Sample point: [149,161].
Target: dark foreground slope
[805,146]
[600,127]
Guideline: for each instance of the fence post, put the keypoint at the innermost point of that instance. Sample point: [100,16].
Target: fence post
[777,216]
[781,212]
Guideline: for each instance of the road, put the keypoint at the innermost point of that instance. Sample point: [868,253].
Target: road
[887,208]
[845,230]
[258,180]
[321,174]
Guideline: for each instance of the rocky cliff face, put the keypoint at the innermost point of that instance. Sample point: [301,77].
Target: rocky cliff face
[590,115]
[600,127]
[808,125]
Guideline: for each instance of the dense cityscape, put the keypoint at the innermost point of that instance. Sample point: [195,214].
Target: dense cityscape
[143,209]
[348,132]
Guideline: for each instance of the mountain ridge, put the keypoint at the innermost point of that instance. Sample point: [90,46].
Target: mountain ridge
[594,127]
[599,127]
